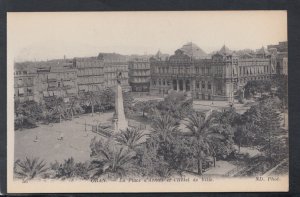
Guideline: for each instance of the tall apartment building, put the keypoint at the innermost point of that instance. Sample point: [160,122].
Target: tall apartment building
[90,75]
[24,80]
[56,78]
[113,65]
[139,75]
[281,46]
[215,78]
[281,52]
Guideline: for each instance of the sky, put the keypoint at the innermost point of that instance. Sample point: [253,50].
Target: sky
[41,36]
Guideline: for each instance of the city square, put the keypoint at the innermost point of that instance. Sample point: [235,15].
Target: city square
[191,108]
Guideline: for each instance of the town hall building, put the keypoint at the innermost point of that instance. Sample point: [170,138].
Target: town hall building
[208,77]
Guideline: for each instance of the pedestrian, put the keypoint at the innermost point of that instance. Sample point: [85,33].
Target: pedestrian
[36,139]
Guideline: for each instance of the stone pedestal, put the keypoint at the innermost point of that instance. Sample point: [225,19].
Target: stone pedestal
[120,121]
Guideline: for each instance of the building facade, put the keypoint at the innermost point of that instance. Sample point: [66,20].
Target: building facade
[90,74]
[281,52]
[139,75]
[111,70]
[215,78]
[56,78]
[115,64]
[24,83]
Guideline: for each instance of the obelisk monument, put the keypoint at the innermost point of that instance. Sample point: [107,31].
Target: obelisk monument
[120,121]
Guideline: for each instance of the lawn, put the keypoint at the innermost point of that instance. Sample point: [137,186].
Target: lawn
[76,134]
[76,142]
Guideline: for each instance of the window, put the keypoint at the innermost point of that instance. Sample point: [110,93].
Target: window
[29,90]
[209,85]
[203,84]
[197,85]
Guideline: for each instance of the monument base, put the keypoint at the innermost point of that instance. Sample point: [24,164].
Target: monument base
[120,121]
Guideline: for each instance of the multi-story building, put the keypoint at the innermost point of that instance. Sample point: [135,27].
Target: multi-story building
[139,75]
[114,64]
[281,46]
[281,53]
[214,78]
[90,75]
[24,80]
[56,78]
[258,66]
[282,63]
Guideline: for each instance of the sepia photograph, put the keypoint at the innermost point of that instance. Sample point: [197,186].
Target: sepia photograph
[161,101]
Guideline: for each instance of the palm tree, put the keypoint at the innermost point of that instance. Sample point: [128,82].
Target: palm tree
[130,137]
[59,109]
[111,160]
[75,107]
[164,126]
[30,168]
[245,133]
[92,100]
[203,136]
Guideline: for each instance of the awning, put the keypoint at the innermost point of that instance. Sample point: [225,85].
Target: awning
[51,76]
[46,94]
[71,91]
[21,91]
[68,83]
[56,93]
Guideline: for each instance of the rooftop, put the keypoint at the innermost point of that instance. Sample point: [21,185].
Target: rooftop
[193,51]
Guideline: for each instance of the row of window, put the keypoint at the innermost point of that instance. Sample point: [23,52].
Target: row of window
[244,80]
[111,82]
[253,70]
[90,71]
[114,75]
[23,91]
[140,73]
[116,68]
[89,64]
[61,75]
[163,82]
[182,70]
[203,85]
[24,82]
[140,66]
[140,79]
[88,80]
[20,73]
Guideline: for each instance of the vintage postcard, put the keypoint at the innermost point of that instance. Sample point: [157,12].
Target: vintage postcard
[177,101]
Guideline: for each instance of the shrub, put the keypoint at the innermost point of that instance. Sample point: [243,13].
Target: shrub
[30,168]
[70,169]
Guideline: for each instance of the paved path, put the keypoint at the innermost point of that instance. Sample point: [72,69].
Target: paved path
[221,169]
[268,173]
[76,141]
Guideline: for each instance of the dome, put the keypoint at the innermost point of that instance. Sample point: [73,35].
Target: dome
[262,51]
[225,50]
[193,50]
